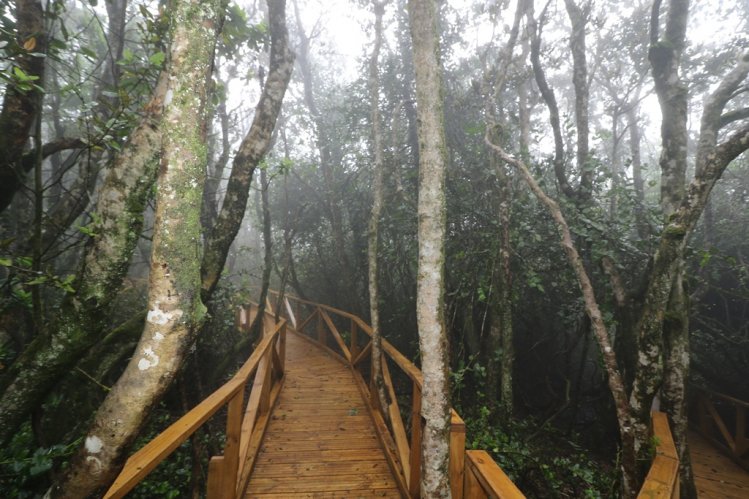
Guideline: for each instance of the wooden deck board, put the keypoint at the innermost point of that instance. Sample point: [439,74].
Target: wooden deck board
[321,440]
[716,476]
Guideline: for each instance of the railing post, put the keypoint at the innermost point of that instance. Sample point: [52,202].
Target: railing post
[231,449]
[740,439]
[457,454]
[320,328]
[282,348]
[414,479]
[354,340]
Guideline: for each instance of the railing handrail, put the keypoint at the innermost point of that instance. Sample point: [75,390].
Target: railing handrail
[712,393]
[408,367]
[662,479]
[713,424]
[142,462]
[464,471]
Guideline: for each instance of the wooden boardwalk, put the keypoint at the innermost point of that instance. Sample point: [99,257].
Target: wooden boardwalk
[321,440]
[716,476]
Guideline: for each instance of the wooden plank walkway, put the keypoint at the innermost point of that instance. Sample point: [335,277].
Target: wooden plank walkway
[321,440]
[716,476]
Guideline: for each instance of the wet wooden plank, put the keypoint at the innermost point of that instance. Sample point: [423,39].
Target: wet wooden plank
[716,476]
[321,439]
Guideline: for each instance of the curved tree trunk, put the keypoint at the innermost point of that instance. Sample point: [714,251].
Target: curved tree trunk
[254,146]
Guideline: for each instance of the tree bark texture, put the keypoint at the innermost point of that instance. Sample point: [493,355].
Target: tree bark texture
[175,310]
[579,17]
[21,107]
[547,93]
[254,146]
[84,314]
[378,168]
[430,300]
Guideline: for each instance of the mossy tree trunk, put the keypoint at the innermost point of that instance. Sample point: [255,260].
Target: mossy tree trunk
[21,106]
[175,310]
[83,314]
[430,295]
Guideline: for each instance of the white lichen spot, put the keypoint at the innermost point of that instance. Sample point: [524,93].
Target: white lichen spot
[607,349]
[149,359]
[158,336]
[93,463]
[94,445]
[158,316]
[169,96]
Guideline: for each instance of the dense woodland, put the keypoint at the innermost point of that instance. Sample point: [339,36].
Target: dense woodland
[543,204]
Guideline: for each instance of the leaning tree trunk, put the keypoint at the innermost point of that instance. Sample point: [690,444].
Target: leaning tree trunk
[254,146]
[430,295]
[84,314]
[175,310]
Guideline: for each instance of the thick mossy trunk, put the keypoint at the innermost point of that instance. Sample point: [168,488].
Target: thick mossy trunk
[175,310]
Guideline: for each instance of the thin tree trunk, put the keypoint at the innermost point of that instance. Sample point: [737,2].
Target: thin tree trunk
[374,217]
[345,288]
[267,252]
[430,299]
[579,17]
[616,384]
[175,310]
[643,228]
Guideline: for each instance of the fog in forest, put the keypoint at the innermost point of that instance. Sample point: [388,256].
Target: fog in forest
[520,226]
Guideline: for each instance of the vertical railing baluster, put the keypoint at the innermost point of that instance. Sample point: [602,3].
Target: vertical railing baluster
[740,440]
[416,431]
[354,348]
[320,328]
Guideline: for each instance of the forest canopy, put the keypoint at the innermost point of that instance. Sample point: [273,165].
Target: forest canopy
[544,205]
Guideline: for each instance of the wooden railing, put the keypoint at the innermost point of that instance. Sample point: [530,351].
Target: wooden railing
[473,474]
[662,480]
[245,424]
[715,413]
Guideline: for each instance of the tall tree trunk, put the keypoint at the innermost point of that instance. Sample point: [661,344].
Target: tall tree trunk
[345,288]
[579,17]
[374,218]
[643,227]
[267,253]
[254,146]
[175,310]
[430,296]
[665,57]
[21,106]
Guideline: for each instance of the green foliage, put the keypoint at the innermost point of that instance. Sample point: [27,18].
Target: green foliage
[25,467]
[542,461]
